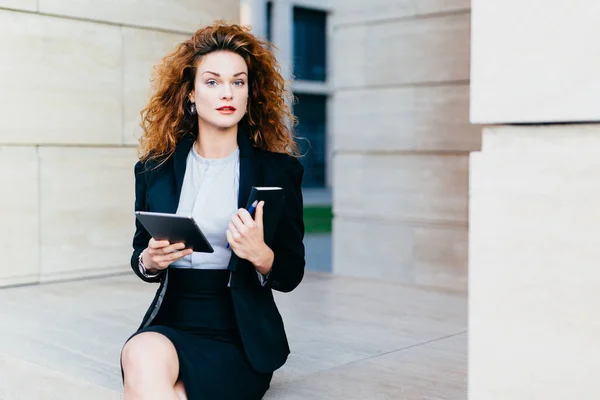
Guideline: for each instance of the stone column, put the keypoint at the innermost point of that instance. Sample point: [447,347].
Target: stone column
[402,140]
[254,13]
[282,34]
[534,236]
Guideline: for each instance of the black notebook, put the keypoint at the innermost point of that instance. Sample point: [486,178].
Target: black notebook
[274,201]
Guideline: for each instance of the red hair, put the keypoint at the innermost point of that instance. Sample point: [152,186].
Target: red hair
[167,117]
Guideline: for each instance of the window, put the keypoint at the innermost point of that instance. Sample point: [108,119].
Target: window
[309,44]
[311,111]
[269,20]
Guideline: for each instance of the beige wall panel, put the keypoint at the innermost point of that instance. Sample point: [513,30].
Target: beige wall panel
[360,12]
[402,52]
[533,272]
[63,84]
[19,217]
[349,57]
[574,138]
[373,249]
[439,6]
[177,15]
[442,115]
[20,79]
[374,119]
[441,256]
[423,118]
[541,66]
[25,5]
[414,254]
[354,12]
[416,51]
[143,49]
[87,220]
[427,188]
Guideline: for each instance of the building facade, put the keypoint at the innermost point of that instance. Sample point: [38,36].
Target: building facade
[397,132]
[301,32]
[73,79]
[402,139]
[382,97]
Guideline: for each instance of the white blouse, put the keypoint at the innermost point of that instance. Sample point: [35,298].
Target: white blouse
[210,195]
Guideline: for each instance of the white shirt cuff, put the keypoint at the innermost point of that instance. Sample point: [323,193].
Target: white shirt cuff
[143,269]
[262,279]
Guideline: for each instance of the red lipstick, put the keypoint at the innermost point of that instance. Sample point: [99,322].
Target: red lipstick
[226,109]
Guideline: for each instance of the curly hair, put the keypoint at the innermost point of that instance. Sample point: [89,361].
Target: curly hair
[167,118]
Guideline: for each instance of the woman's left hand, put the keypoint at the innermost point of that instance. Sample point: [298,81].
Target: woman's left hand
[246,238]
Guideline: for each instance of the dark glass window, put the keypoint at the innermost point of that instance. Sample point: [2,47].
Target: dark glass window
[311,111]
[309,44]
[269,19]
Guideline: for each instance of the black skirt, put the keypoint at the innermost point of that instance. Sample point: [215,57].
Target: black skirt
[197,316]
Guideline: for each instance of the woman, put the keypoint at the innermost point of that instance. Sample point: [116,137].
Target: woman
[215,126]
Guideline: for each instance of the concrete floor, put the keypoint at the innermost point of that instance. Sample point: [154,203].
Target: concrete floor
[351,339]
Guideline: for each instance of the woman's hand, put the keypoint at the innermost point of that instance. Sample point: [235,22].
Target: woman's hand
[160,254]
[246,238]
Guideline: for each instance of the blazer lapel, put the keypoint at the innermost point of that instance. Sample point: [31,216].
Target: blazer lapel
[250,172]
[249,168]
[179,164]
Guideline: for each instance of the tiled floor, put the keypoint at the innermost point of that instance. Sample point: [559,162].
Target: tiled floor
[351,339]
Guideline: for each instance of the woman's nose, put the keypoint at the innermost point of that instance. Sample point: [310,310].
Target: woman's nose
[227,92]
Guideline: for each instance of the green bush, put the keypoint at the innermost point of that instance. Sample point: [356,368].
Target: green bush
[317,219]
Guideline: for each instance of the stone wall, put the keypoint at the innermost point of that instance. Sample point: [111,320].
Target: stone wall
[74,76]
[402,137]
[534,251]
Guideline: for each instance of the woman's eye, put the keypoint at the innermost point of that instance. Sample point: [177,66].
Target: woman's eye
[211,82]
[239,83]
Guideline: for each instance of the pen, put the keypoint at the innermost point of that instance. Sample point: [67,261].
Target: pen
[252,207]
[250,211]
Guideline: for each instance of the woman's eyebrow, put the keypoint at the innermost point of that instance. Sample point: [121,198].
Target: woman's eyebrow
[217,74]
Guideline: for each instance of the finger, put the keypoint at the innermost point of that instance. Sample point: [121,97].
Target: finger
[157,244]
[232,229]
[258,216]
[230,239]
[238,224]
[171,257]
[245,217]
[235,234]
[155,251]
[172,248]
[179,254]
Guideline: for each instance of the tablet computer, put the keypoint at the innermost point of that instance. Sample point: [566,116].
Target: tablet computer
[175,228]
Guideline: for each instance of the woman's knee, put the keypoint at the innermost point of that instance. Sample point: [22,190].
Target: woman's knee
[180,390]
[148,355]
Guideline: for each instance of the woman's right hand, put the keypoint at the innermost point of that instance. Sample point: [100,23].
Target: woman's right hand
[160,254]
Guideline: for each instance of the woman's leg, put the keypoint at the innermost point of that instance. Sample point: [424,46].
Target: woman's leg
[150,368]
[180,390]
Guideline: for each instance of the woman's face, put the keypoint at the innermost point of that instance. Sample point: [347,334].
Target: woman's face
[221,89]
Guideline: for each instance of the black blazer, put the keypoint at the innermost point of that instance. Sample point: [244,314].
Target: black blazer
[158,187]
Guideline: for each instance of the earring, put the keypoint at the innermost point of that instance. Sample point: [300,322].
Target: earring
[193,110]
